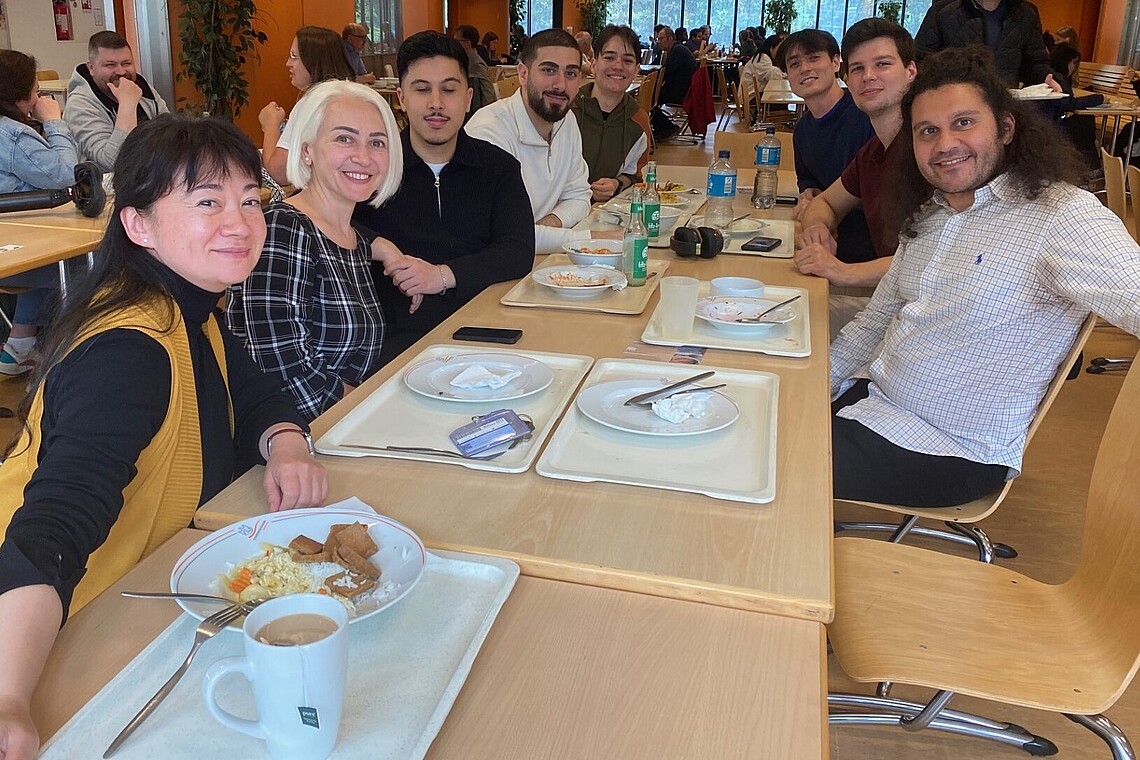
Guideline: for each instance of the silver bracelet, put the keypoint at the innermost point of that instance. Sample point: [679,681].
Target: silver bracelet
[442,280]
[269,441]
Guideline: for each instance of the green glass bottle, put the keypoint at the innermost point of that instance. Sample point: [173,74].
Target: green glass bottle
[652,204]
[635,247]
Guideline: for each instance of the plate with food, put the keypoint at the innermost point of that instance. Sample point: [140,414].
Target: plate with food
[479,377]
[742,315]
[677,187]
[674,200]
[601,252]
[364,560]
[604,403]
[580,281]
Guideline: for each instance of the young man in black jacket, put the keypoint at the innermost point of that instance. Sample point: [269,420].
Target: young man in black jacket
[456,214]
[1011,29]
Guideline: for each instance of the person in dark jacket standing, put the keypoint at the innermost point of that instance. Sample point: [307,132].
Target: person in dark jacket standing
[1011,29]
[457,213]
[615,129]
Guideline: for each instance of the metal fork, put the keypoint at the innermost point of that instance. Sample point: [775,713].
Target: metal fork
[682,392]
[207,629]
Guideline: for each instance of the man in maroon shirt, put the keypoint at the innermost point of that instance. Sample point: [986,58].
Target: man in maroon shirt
[880,68]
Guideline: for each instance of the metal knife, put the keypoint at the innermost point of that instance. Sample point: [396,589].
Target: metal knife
[672,387]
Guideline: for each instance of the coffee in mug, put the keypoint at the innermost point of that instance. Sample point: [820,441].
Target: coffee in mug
[296,661]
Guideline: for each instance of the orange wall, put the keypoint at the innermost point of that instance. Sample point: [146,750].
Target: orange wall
[1110,28]
[268,79]
[421,15]
[1082,15]
[484,15]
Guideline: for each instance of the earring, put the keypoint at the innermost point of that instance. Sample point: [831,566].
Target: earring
[146,240]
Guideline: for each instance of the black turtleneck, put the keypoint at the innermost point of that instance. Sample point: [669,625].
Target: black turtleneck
[103,404]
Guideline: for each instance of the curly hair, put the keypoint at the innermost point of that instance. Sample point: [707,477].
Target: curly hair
[1037,156]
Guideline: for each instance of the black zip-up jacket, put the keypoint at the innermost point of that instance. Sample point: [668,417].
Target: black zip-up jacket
[477,220]
[1020,52]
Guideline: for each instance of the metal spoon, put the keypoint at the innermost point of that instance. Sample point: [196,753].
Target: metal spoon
[766,312]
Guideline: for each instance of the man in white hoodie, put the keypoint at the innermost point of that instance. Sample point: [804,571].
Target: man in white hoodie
[532,126]
[107,98]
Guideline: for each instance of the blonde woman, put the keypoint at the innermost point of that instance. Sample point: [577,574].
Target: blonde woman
[308,312]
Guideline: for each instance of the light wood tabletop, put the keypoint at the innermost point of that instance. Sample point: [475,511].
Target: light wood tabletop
[65,217]
[41,246]
[566,671]
[772,557]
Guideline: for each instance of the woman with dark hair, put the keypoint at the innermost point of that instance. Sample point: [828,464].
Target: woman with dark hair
[316,55]
[143,406]
[490,45]
[36,153]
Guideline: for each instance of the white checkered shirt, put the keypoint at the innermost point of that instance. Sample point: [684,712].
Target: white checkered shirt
[977,312]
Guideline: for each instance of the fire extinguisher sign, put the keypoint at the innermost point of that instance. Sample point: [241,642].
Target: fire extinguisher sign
[64,28]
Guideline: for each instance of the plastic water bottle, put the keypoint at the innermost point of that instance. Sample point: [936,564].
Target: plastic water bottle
[721,191]
[635,243]
[767,164]
[652,203]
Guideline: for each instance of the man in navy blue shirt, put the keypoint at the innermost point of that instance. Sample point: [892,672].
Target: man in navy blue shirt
[830,133]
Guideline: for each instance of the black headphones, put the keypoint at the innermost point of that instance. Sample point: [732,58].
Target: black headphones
[702,242]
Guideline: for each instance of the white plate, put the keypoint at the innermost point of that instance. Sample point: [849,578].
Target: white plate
[606,277]
[596,247]
[401,555]
[604,403]
[746,226]
[723,311]
[678,188]
[671,200]
[432,378]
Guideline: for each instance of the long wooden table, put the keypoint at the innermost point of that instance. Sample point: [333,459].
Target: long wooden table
[770,558]
[567,671]
[47,236]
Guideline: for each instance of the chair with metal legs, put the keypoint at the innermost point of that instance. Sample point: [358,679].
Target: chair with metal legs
[909,615]
[962,518]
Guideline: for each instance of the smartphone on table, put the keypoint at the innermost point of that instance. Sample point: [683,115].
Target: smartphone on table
[488,335]
[762,244]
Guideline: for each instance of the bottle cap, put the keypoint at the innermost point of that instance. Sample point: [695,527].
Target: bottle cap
[723,154]
[771,129]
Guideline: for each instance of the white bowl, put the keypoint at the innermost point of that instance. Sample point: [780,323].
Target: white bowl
[577,251]
[739,287]
[669,216]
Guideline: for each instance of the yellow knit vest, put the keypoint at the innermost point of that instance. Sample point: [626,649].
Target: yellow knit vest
[162,498]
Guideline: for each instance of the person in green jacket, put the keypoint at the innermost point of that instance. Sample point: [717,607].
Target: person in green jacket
[615,129]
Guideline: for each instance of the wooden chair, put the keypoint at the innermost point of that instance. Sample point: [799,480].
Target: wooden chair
[1103,78]
[962,519]
[679,116]
[728,99]
[44,74]
[1114,182]
[909,615]
[506,87]
[742,146]
[389,71]
[647,96]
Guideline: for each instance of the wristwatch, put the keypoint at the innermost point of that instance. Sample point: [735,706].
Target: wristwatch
[308,440]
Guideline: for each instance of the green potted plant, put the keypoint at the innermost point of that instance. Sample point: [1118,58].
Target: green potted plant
[217,36]
[593,13]
[514,14]
[891,10]
[779,15]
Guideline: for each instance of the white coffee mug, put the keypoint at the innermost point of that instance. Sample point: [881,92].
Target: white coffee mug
[298,688]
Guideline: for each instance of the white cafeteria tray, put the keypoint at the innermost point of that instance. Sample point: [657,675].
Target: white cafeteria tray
[736,464]
[791,339]
[406,667]
[393,415]
[781,228]
[630,300]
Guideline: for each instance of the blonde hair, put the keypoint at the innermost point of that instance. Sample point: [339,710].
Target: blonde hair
[310,112]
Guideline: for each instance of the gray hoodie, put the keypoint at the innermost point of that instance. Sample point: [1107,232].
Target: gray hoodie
[91,116]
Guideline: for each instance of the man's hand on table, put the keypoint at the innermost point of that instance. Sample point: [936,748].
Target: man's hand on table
[816,235]
[19,739]
[604,189]
[293,478]
[802,201]
[821,261]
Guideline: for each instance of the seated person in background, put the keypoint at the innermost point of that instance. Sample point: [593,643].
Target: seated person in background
[36,153]
[533,126]
[755,74]
[308,312]
[107,98]
[316,54]
[615,129]
[586,46]
[676,76]
[747,44]
[880,68]
[355,37]
[456,213]
[829,134]
[1000,260]
[144,407]
[489,50]
[1081,129]
[482,91]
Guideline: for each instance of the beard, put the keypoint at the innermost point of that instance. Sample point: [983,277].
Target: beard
[545,111]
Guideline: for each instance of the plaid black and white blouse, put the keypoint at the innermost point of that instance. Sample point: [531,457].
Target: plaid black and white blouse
[308,312]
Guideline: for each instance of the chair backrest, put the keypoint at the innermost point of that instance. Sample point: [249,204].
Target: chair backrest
[1101,77]
[743,148]
[660,78]
[388,70]
[648,90]
[43,74]
[722,86]
[1106,584]
[506,87]
[1113,182]
[1134,186]
[1058,380]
